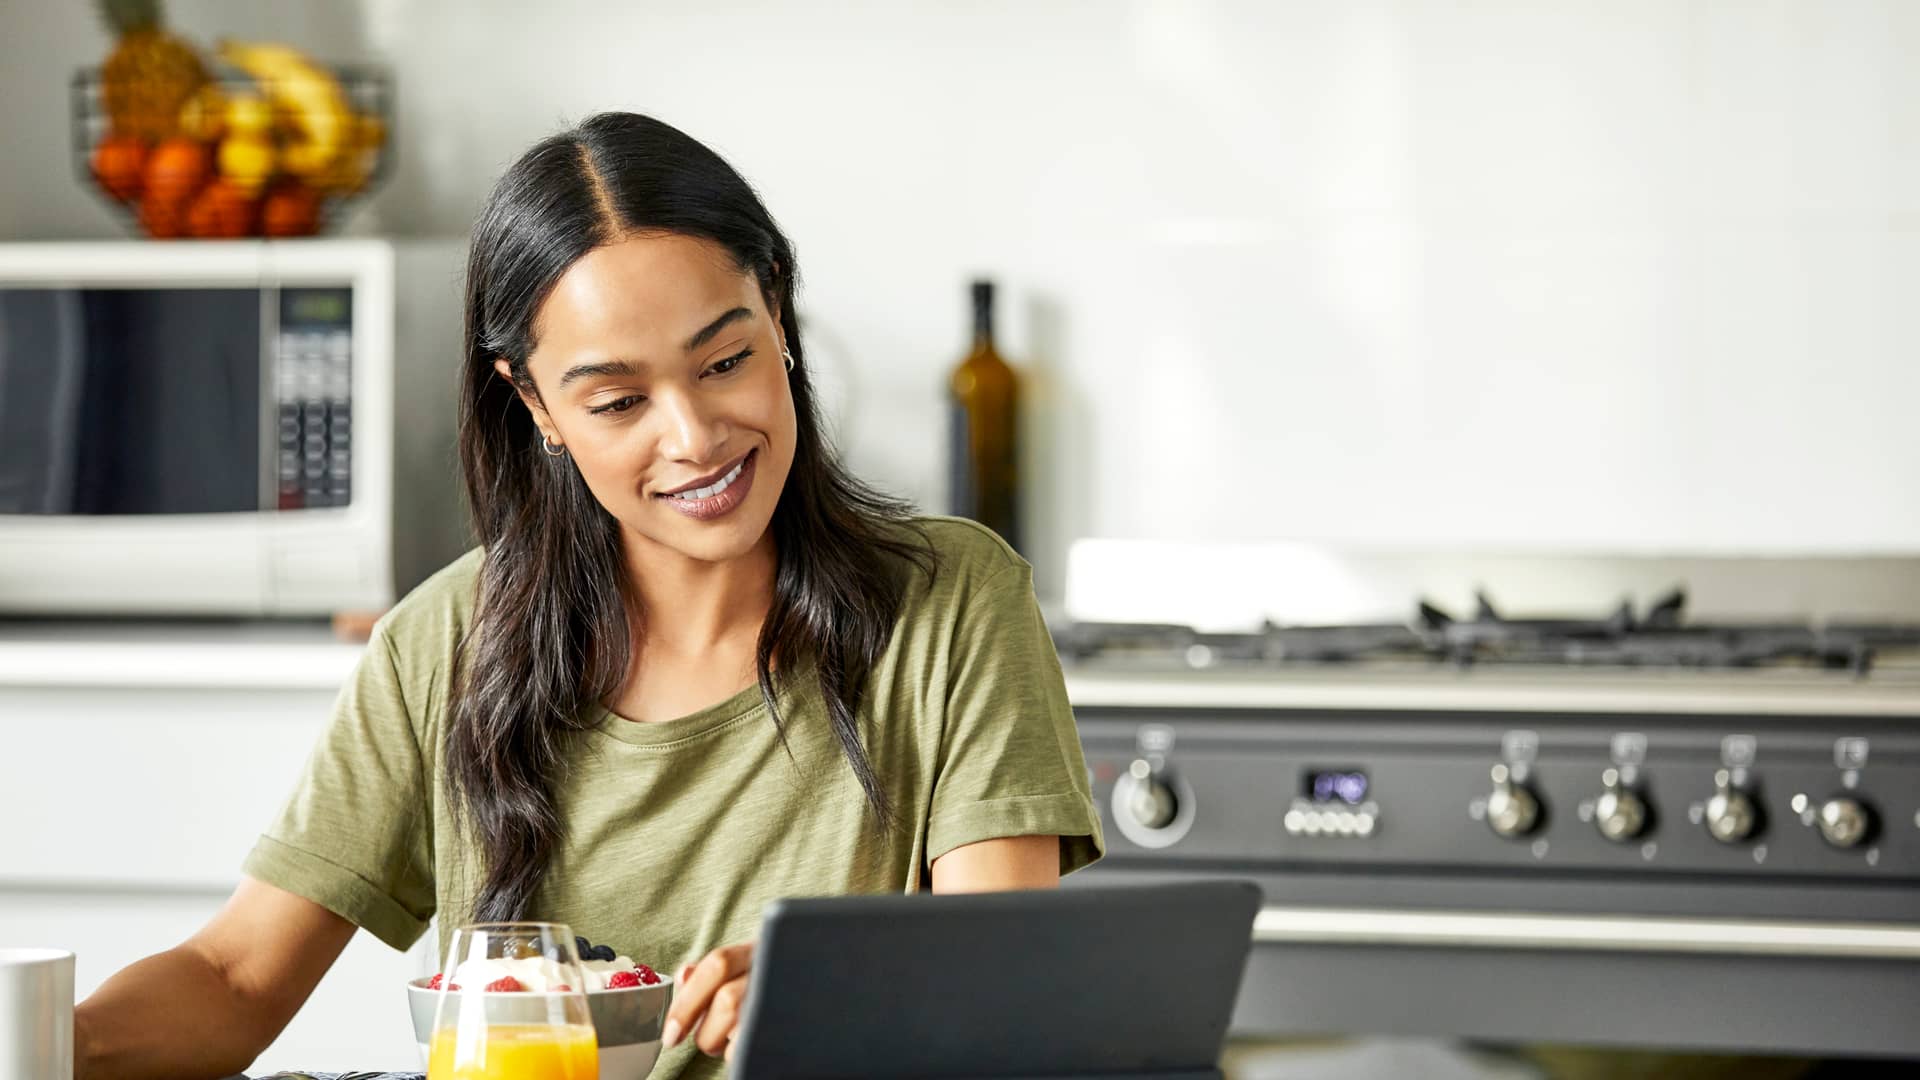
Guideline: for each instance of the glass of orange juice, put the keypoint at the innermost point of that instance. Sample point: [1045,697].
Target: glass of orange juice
[512,1005]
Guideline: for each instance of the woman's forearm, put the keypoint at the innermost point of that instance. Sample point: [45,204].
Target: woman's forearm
[172,1015]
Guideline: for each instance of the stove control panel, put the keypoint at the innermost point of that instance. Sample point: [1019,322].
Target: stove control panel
[1794,799]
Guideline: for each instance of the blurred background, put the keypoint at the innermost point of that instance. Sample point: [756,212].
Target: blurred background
[1317,310]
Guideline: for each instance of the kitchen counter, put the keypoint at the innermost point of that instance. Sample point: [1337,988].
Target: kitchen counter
[186,654]
[162,694]
[306,655]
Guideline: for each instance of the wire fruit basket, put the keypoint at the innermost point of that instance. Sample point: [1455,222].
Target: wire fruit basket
[282,155]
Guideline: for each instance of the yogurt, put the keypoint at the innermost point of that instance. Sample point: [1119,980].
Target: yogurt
[537,974]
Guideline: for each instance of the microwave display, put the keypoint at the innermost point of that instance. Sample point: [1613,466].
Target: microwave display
[135,401]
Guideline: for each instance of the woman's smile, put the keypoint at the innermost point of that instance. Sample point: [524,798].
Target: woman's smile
[716,498]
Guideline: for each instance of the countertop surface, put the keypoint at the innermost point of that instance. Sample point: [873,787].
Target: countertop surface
[231,654]
[244,654]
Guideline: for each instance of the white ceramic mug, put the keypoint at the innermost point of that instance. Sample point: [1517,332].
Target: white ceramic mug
[36,1014]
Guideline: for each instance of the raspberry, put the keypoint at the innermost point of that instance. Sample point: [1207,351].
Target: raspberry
[435,983]
[648,976]
[505,984]
[620,980]
[562,988]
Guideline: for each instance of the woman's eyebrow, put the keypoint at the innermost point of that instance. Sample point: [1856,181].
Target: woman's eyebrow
[605,367]
[716,326]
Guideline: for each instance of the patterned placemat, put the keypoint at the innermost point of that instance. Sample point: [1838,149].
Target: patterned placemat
[343,1076]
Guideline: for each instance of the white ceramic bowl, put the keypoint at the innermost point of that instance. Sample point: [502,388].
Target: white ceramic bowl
[626,1022]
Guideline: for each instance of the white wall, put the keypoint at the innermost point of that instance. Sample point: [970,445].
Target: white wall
[1598,275]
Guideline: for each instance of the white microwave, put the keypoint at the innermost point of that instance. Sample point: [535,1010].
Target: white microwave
[250,428]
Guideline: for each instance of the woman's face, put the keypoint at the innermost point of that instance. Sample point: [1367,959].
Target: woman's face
[659,367]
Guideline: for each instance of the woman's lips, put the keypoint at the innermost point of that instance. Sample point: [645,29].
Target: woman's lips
[725,502]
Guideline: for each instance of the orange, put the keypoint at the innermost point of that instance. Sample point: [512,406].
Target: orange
[221,210]
[118,164]
[163,218]
[177,168]
[291,208]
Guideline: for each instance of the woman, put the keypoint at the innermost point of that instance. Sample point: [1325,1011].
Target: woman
[694,666]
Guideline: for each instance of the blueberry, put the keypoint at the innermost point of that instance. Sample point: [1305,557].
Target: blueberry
[605,952]
[583,948]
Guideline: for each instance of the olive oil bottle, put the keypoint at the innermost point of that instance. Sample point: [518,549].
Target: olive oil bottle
[983,455]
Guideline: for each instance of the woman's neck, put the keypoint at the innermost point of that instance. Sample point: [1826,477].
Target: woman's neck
[690,607]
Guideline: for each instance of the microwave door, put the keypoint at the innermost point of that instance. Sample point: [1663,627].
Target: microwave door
[40,378]
[121,402]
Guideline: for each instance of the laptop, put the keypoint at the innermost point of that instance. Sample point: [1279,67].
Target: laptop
[1127,983]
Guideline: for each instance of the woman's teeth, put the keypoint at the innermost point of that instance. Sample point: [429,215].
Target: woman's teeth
[715,488]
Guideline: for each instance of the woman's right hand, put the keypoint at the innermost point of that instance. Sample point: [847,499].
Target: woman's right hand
[209,1006]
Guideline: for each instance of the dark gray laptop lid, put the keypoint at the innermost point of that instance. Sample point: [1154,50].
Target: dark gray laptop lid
[1099,981]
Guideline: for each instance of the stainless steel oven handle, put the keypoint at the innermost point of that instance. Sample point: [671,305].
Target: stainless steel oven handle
[1588,933]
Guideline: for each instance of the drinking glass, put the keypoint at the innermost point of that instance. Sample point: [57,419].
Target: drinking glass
[540,1032]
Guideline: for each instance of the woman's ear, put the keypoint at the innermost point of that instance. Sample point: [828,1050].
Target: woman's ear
[773,299]
[779,328]
[527,398]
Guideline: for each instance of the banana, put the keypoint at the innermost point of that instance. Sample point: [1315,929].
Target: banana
[308,91]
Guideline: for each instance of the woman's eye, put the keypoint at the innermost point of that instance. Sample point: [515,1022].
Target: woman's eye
[617,405]
[730,362]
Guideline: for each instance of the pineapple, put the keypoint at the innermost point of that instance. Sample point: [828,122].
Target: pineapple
[150,73]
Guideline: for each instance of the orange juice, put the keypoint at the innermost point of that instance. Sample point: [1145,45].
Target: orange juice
[516,1052]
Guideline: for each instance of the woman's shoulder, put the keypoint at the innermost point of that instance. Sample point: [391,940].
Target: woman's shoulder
[432,619]
[964,550]
[966,558]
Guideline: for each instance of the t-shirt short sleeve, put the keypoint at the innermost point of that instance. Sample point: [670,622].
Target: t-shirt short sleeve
[355,836]
[1010,762]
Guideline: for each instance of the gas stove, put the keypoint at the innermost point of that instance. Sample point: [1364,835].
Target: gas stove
[1659,640]
[1708,825]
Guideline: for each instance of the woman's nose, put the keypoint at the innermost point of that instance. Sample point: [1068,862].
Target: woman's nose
[691,434]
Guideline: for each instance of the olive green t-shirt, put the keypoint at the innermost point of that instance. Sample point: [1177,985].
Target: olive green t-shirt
[679,832]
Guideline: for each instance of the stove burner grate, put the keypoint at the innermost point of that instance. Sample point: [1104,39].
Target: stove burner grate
[1660,639]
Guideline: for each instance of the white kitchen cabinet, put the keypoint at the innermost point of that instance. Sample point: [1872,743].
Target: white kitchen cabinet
[139,766]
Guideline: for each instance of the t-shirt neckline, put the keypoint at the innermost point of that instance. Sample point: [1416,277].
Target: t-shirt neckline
[700,722]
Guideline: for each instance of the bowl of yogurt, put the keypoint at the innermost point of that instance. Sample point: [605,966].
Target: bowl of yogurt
[627,1000]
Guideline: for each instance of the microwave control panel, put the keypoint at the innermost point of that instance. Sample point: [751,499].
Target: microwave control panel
[313,368]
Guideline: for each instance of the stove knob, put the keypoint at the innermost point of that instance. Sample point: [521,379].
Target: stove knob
[1513,810]
[1732,817]
[1151,802]
[1620,813]
[1845,821]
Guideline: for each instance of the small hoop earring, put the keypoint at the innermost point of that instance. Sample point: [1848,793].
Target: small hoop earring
[788,353]
[552,448]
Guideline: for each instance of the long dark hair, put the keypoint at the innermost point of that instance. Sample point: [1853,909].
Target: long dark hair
[551,633]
